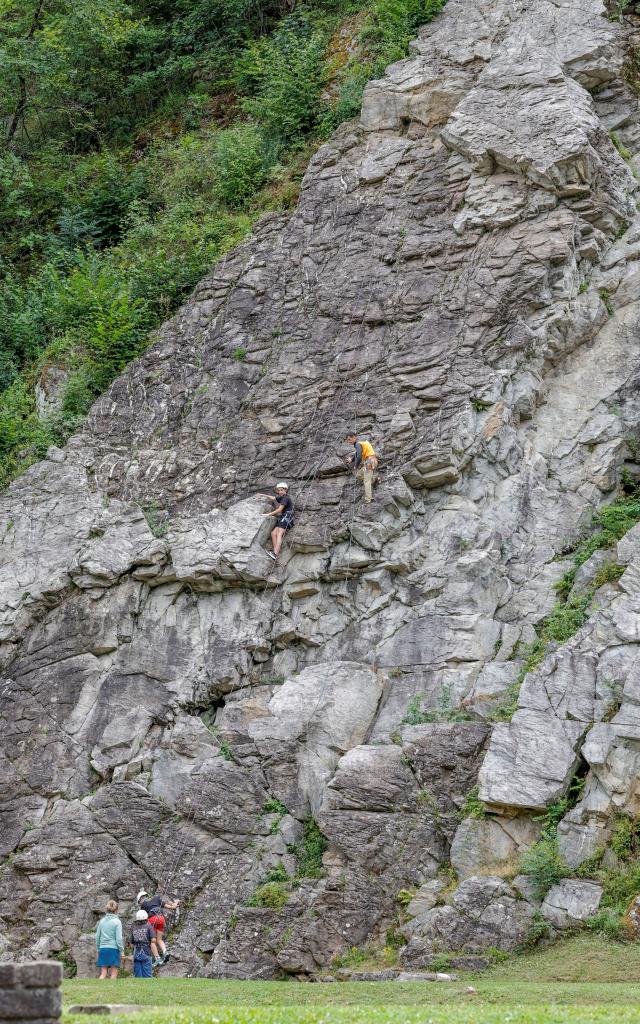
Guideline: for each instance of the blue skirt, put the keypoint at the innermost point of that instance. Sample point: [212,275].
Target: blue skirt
[108,957]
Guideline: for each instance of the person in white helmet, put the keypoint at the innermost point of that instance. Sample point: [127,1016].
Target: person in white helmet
[143,940]
[153,906]
[284,513]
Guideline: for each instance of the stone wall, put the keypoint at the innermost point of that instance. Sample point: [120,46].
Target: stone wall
[30,992]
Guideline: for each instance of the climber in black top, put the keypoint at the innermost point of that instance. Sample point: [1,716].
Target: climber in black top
[284,513]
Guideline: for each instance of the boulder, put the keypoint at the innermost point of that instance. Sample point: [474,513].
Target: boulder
[322,712]
[482,913]
[491,845]
[571,902]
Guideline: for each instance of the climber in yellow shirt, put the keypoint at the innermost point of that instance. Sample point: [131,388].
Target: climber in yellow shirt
[365,463]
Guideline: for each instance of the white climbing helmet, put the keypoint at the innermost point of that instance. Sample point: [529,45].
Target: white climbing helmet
[285,487]
[141,915]
[143,892]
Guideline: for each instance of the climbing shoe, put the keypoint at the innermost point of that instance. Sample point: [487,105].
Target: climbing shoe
[271,555]
[158,962]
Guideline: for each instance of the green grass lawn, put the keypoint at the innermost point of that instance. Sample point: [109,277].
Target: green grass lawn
[582,980]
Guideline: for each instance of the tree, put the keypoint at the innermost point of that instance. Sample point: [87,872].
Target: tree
[63,65]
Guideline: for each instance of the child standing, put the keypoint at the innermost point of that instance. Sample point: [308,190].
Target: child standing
[143,940]
[109,942]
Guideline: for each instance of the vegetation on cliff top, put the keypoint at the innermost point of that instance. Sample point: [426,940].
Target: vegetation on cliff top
[141,142]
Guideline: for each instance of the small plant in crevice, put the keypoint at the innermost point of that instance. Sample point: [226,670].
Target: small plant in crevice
[440,962]
[616,9]
[273,891]
[394,939]
[606,301]
[404,897]
[354,956]
[269,680]
[622,149]
[277,808]
[225,751]
[310,850]
[152,513]
[277,874]
[274,806]
[590,867]
[271,895]
[473,807]
[68,963]
[543,862]
[625,838]
[610,572]
[544,865]
[445,710]
[539,929]
[498,956]
[447,874]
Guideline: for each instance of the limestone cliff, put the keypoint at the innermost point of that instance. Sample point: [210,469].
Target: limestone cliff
[459,282]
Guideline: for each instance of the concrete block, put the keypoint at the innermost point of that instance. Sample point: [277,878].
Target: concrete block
[30,1003]
[106,1008]
[40,974]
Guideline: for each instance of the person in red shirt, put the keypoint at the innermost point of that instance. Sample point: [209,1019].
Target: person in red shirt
[154,906]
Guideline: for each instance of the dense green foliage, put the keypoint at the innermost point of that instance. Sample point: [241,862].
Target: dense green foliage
[542,861]
[276,885]
[141,142]
[309,851]
[544,865]
[617,868]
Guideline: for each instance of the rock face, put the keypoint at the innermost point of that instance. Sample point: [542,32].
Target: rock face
[459,283]
[483,913]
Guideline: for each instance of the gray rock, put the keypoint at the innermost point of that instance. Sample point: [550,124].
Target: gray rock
[588,571]
[425,976]
[483,913]
[426,898]
[493,845]
[570,902]
[388,975]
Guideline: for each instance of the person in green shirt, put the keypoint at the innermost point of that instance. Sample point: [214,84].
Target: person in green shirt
[109,942]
